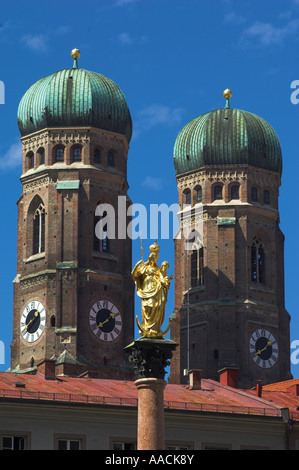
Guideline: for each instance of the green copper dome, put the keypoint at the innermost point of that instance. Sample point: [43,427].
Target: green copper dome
[227,137]
[74,98]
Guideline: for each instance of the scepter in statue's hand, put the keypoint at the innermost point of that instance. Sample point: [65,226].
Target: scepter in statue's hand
[141,246]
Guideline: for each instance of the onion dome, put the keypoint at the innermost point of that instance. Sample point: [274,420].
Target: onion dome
[74,98]
[227,137]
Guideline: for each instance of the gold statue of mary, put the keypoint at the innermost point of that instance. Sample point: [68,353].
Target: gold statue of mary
[152,285]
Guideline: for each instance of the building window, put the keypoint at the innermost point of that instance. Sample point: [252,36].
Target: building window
[197,269]
[198,194]
[39,230]
[235,192]
[30,159]
[101,242]
[111,159]
[217,192]
[41,156]
[254,194]
[177,447]
[59,154]
[69,444]
[122,445]
[77,151]
[187,196]
[266,197]
[257,261]
[97,156]
[13,443]
[215,447]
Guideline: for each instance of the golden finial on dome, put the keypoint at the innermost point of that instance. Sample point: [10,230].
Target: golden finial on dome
[75,53]
[227,94]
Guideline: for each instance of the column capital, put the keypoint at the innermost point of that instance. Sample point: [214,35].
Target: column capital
[149,357]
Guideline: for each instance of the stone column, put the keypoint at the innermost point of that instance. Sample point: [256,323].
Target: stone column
[149,358]
[150,414]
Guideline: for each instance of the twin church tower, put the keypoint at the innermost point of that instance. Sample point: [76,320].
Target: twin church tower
[74,293]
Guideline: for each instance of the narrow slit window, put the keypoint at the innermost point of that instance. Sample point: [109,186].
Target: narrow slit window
[257,261]
[39,230]
[197,269]
[101,244]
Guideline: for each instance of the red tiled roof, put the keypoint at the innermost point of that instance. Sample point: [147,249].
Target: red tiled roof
[281,386]
[284,394]
[212,396]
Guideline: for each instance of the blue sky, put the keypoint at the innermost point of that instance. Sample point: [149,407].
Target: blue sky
[172,59]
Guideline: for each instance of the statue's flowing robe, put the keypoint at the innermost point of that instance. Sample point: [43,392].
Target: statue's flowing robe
[150,288]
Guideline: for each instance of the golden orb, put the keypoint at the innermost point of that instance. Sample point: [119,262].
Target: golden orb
[227,94]
[75,53]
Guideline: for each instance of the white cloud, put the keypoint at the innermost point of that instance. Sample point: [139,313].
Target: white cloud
[121,3]
[125,38]
[36,43]
[233,17]
[12,158]
[266,34]
[160,114]
[40,42]
[157,115]
[152,183]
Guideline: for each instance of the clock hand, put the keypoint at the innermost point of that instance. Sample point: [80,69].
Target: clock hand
[112,315]
[261,350]
[32,320]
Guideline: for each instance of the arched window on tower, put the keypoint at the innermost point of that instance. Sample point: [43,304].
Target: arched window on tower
[30,160]
[257,261]
[235,191]
[41,156]
[197,269]
[266,197]
[198,191]
[111,158]
[77,154]
[39,230]
[59,154]
[101,242]
[187,196]
[217,192]
[97,156]
[254,194]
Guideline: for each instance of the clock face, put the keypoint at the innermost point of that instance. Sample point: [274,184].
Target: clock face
[105,320]
[33,321]
[263,348]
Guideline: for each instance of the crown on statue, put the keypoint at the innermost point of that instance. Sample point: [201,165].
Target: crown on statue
[154,248]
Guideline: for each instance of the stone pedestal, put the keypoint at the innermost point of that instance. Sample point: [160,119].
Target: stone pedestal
[149,358]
